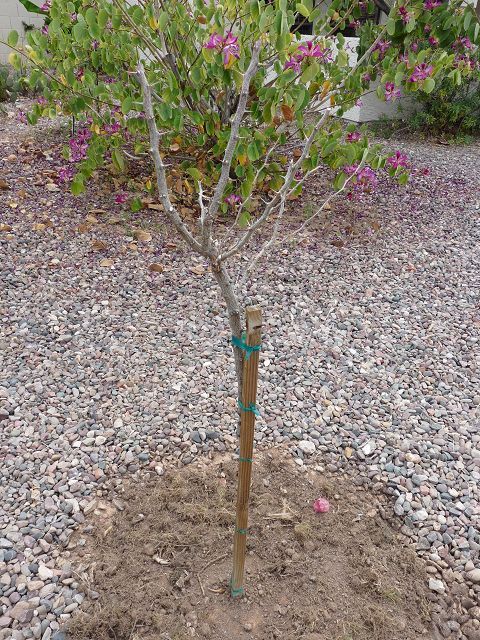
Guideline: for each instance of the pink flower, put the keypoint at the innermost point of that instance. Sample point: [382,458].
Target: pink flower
[121,197]
[414,46]
[366,77]
[431,4]
[21,117]
[45,30]
[398,160]
[382,47]
[79,73]
[463,42]
[353,136]
[214,41]
[231,50]
[405,14]
[350,169]
[312,50]
[232,200]
[111,129]
[403,58]
[367,177]
[294,62]
[228,45]
[321,505]
[46,6]
[390,92]
[41,101]
[65,174]
[421,72]
[73,17]
[433,41]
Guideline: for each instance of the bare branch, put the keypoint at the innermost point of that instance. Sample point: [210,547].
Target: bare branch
[162,186]
[280,193]
[232,142]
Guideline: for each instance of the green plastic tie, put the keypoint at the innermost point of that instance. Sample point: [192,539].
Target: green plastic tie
[241,344]
[245,459]
[242,532]
[251,407]
[236,592]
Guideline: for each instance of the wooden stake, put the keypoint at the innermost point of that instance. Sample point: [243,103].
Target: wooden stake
[247,431]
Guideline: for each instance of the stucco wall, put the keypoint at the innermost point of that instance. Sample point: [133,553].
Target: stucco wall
[12,14]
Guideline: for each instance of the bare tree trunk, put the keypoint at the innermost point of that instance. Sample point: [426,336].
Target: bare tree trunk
[235,319]
[477,9]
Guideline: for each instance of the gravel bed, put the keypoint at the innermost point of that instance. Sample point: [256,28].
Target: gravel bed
[370,366]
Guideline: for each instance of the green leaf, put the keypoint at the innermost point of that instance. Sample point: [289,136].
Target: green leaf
[467,20]
[310,72]
[127,105]
[302,9]
[77,186]
[80,32]
[195,173]
[391,26]
[31,7]
[12,39]
[118,161]
[340,180]
[136,205]
[102,18]
[163,19]
[428,85]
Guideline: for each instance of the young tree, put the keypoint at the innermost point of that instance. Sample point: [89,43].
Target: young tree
[226,85]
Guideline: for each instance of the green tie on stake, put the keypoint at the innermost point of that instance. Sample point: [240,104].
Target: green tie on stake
[250,344]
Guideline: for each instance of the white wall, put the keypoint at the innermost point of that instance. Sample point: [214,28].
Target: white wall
[12,13]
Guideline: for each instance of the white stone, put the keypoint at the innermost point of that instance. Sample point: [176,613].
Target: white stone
[307,447]
[474,576]
[436,585]
[44,573]
[368,448]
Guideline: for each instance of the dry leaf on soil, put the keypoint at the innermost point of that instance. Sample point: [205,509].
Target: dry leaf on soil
[156,267]
[98,245]
[106,262]
[5,227]
[198,270]
[142,236]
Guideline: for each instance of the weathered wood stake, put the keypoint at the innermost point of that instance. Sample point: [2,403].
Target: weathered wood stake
[247,430]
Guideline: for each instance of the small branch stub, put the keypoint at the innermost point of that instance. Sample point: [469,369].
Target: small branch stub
[248,411]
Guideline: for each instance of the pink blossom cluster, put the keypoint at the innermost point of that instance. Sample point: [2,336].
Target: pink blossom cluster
[391,93]
[366,178]
[65,174]
[111,129]
[353,136]
[79,145]
[431,4]
[421,72]
[308,50]
[405,14]
[227,45]
[121,197]
[46,6]
[399,159]
[382,47]
[233,199]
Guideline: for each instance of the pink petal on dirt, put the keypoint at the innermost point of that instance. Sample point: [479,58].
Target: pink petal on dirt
[321,505]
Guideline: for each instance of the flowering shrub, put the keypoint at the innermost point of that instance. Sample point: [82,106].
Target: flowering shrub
[220,88]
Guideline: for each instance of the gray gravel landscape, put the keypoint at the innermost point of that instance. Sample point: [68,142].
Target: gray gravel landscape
[370,366]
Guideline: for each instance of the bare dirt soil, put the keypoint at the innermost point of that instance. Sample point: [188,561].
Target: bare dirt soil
[161,564]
